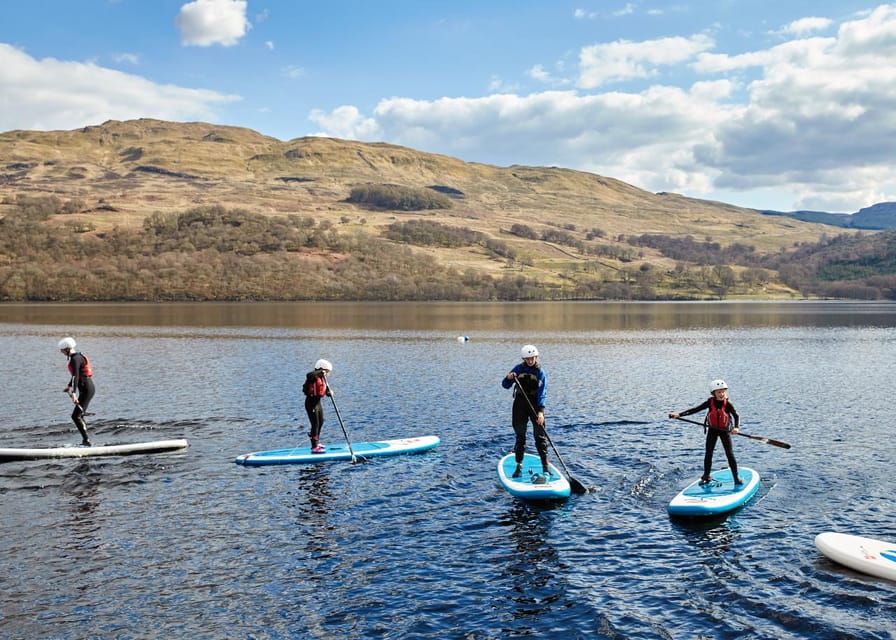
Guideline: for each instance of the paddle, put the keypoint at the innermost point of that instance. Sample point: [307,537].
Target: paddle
[575,485]
[82,425]
[776,443]
[71,394]
[345,433]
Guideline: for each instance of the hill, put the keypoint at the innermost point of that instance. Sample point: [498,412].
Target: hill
[877,217]
[169,202]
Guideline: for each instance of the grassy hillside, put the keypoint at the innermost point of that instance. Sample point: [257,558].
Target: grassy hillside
[119,187]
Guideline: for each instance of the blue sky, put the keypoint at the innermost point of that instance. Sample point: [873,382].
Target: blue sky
[774,105]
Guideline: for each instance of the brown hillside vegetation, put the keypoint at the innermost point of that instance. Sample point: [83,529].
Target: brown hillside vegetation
[566,233]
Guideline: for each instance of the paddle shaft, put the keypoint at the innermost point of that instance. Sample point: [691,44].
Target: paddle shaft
[574,484]
[341,424]
[776,443]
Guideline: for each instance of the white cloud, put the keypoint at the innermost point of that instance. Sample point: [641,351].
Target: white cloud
[538,73]
[813,117]
[203,23]
[497,85]
[346,122]
[807,25]
[50,94]
[581,14]
[819,119]
[293,72]
[128,58]
[623,59]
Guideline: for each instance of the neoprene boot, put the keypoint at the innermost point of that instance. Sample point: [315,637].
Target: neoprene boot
[518,472]
[82,427]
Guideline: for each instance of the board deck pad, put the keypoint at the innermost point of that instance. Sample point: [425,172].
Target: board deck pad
[719,496]
[80,451]
[340,451]
[533,484]
[866,555]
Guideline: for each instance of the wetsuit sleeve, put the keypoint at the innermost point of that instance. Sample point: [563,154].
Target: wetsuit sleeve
[693,410]
[509,383]
[733,413]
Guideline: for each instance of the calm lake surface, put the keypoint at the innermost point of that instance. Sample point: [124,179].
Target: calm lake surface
[191,545]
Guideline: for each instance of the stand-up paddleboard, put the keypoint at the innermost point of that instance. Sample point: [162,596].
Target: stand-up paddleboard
[719,496]
[157,446]
[303,455]
[874,557]
[533,484]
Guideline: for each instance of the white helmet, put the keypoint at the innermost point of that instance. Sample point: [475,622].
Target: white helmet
[323,364]
[66,343]
[529,351]
[715,385]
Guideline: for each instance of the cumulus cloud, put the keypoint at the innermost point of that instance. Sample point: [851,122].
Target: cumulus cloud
[623,59]
[812,116]
[807,25]
[50,94]
[539,73]
[346,122]
[203,23]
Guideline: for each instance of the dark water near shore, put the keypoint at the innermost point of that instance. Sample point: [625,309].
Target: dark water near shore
[190,545]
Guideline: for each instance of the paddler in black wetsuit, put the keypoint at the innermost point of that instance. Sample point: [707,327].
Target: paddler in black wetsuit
[721,421]
[315,387]
[80,387]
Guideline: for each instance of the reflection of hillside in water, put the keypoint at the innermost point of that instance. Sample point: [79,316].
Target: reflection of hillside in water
[463,318]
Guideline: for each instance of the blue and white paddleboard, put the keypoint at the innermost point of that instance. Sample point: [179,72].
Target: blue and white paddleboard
[874,557]
[719,496]
[532,484]
[303,455]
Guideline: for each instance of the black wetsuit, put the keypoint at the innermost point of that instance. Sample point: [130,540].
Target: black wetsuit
[315,388]
[82,383]
[714,433]
[533,380]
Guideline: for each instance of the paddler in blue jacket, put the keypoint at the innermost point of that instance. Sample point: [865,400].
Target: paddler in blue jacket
[533,381]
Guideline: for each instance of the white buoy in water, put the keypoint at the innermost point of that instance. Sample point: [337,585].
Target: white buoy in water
[463,338]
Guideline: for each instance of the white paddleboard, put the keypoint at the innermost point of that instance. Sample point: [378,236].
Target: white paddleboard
[867,555]
[156,446]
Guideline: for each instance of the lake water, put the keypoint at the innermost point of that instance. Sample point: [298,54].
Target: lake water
[191,545]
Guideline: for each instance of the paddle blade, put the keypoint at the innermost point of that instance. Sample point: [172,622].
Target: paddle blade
[775,443]
[577,487]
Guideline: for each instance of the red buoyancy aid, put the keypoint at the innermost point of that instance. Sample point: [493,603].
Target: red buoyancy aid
[86,371]
[718,416]
[315,385]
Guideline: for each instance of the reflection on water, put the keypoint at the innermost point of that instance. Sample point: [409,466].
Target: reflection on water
[462,317]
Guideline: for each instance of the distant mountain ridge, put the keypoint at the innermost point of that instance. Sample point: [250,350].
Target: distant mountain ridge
[877,217]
